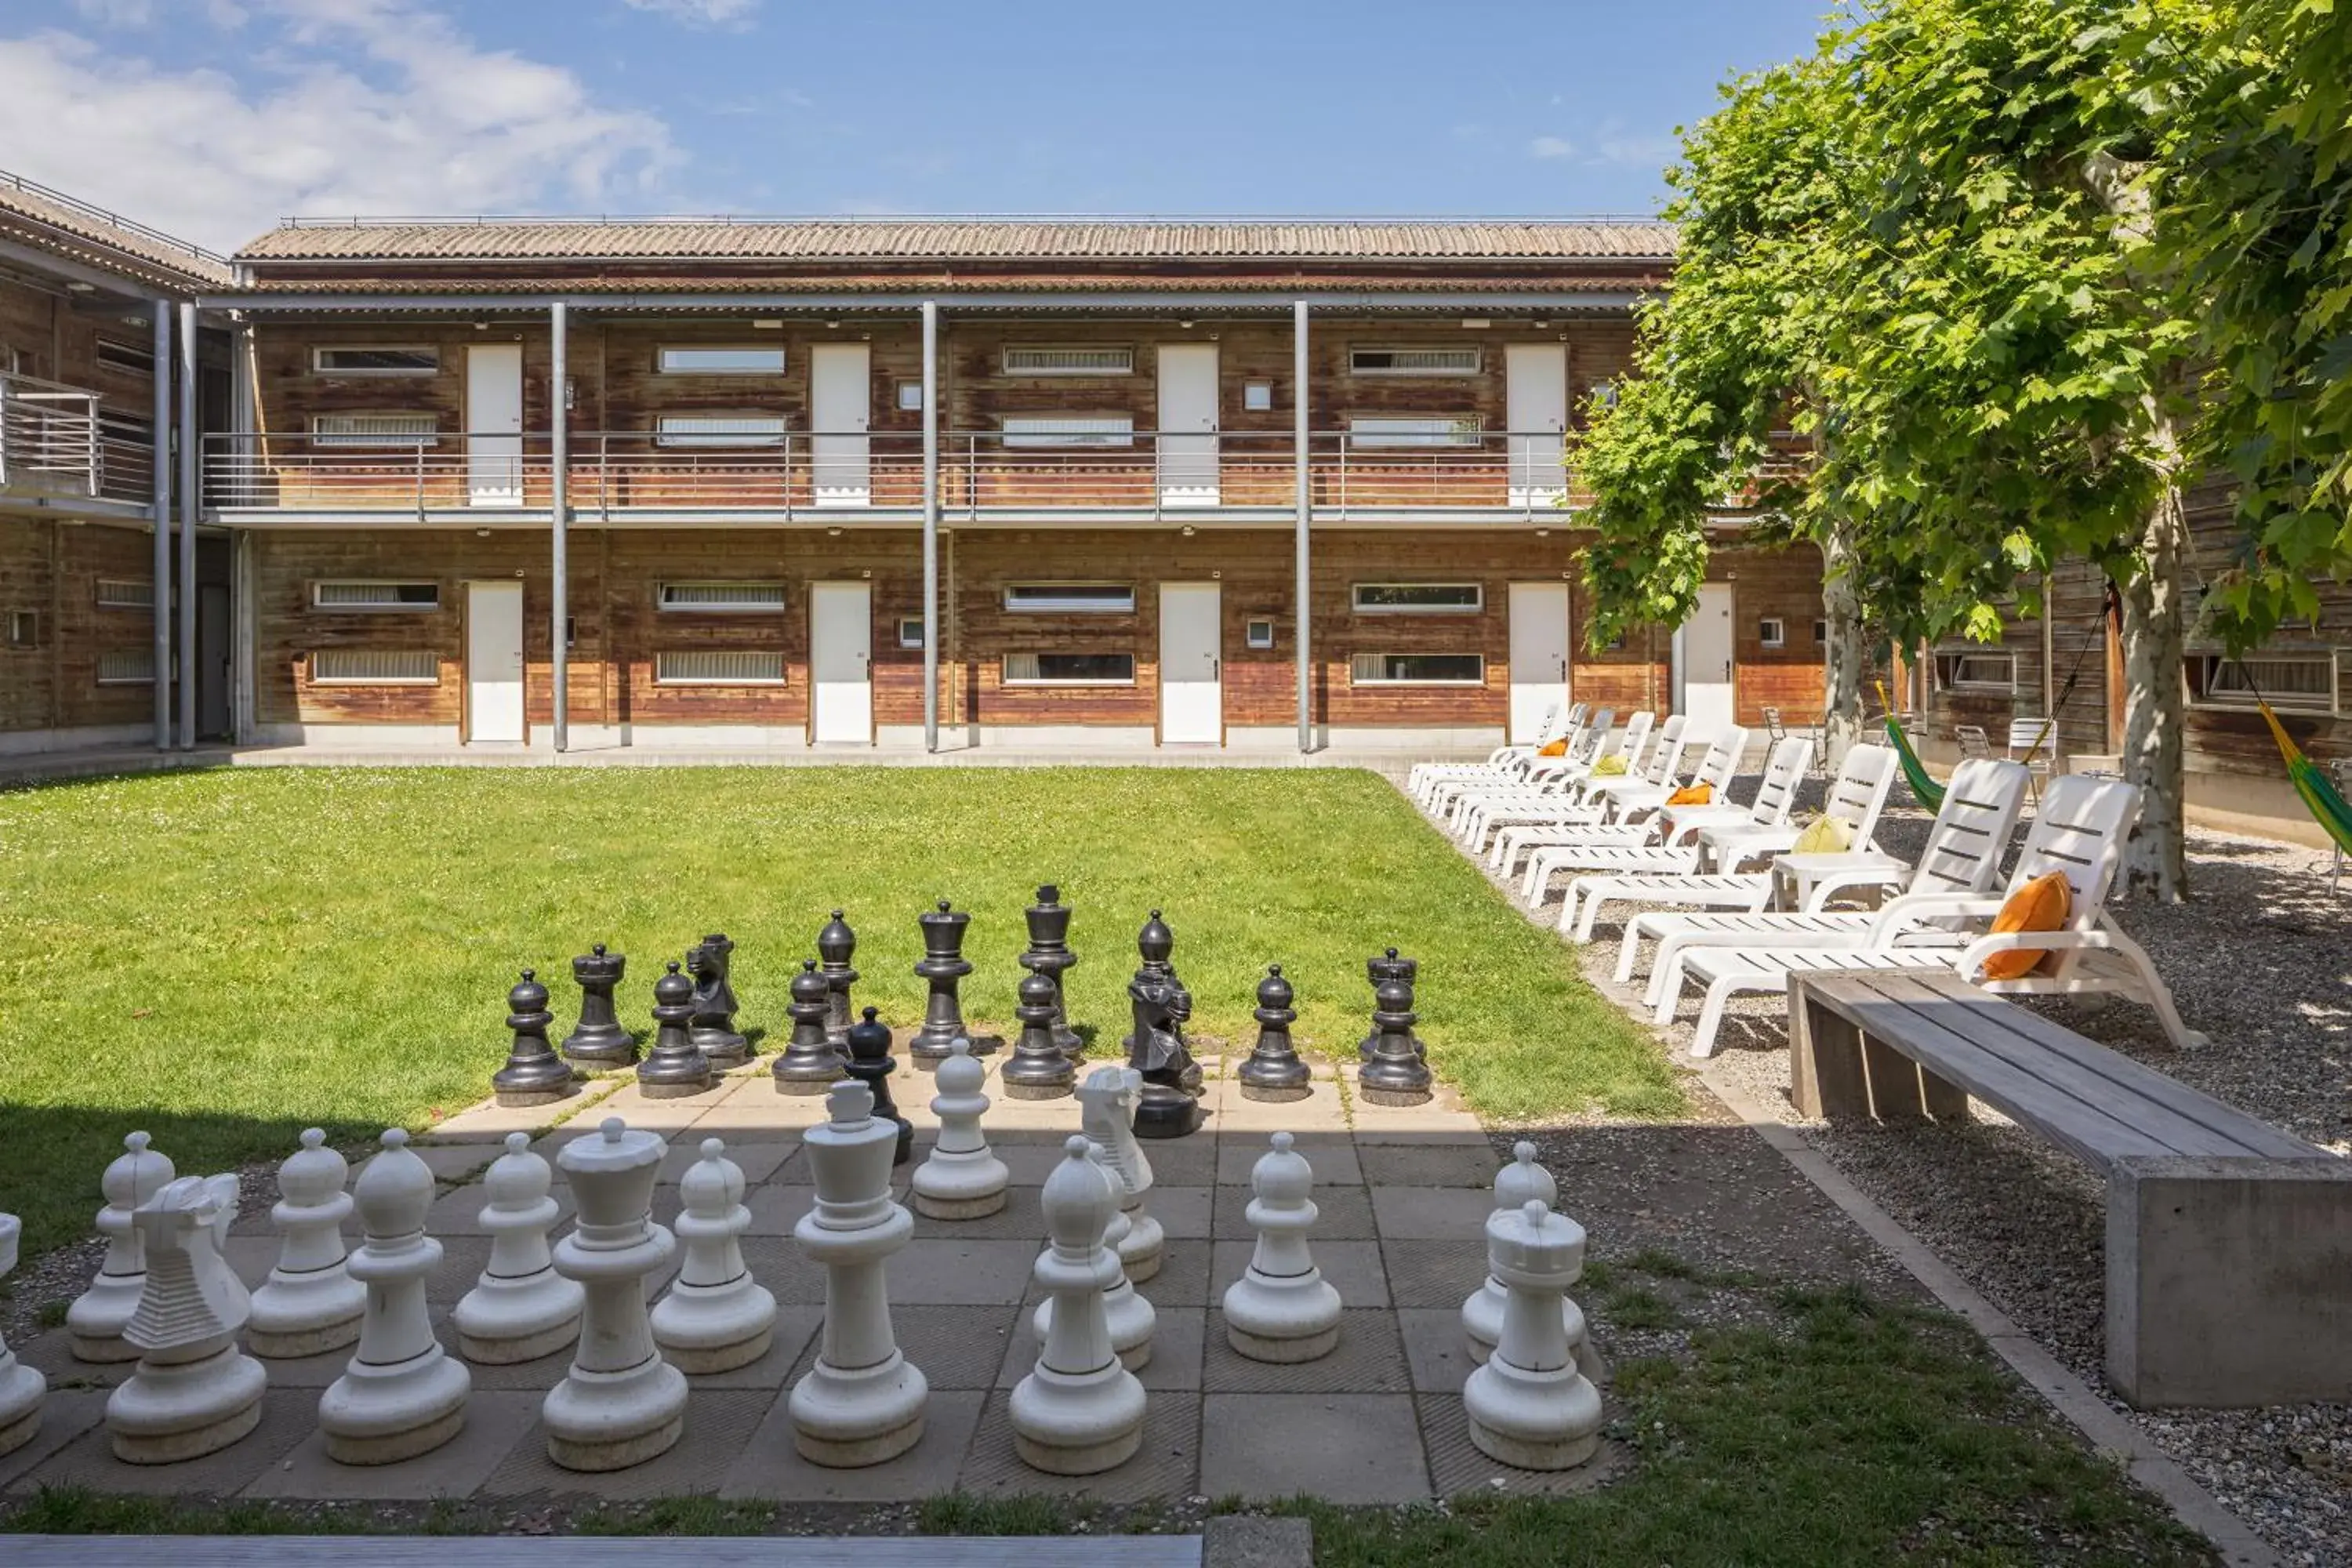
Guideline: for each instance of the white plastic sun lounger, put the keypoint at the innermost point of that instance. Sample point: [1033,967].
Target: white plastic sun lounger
[1552,780]
[1676,848]
[1717,770]
[1573,790]
[1594,804]
[1444,792]
[1556,725]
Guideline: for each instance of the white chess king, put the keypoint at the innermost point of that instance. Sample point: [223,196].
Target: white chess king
[620,1404]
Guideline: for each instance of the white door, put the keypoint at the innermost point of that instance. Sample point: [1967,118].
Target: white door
[841,660]
[494,424]
[1188,424]
[1708,652]
[494,661]
[1536,399]
[1538,656]
[841,401]
[1192,685]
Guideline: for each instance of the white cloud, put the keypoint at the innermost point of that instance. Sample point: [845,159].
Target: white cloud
[701,12]
[118,13]
[361,107]
[1551,147]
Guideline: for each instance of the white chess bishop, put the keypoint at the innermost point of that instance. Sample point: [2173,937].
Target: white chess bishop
[193,1392]
[97,1318]
[620,1404]
[1107,1103]
[1282,1309]
[22,1388]
[310,1304]
[1529,1405]
[717,1317]
[520,1309]
[1520,1182]
[962,1179]
[1080,1411]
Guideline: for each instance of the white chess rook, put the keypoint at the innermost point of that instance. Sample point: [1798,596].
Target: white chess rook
[1282,1309]
[402,1395]
[1080,1411]
[310,1304]
[521,1308]
[863,1401]
[193,1392]
[97,1318]
[22,1388]
[1530,1406]
[620,1404]
[1107,1103]
[717,1317]
[962,1179]
[1515,1184]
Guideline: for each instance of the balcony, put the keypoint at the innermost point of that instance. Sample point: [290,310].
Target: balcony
[56,446]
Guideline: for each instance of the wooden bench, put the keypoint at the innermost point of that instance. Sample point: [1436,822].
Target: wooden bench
[2229,1243]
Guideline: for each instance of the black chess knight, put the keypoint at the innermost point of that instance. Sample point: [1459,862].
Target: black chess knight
[1169,1106]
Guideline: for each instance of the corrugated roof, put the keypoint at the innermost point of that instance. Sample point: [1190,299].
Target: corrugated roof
[58,222]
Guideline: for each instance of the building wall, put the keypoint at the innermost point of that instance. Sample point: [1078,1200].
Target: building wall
[52,567]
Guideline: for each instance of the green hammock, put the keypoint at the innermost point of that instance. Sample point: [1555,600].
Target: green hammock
[2331,810]
[1923,787]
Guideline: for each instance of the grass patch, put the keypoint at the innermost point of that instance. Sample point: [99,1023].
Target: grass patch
[696,1515]
[1633,1307]
[78,1510]
[225,958]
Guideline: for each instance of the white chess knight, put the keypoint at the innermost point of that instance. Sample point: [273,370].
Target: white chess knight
[22,1388]
[193,1392]
[1529,1405]
[310,1304]
[96,1319]
[620,1404]
[402,1395]
[962,1179]
[1282,1308]
[717,1317]
[1517,1183]
[1080,1411]
[520,1309]
[1107,1115]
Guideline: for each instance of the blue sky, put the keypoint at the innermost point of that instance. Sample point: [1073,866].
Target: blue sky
[211,116]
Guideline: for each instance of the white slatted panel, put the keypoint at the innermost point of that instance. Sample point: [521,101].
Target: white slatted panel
[375,666]
[718,667]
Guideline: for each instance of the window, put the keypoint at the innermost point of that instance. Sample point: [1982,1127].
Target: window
[24,629]
[404,360]
[1821,633]
[1417,669]
[354,595]
[910,397]
[1258,395]
[375,666]
[1069,430]
[118,427]
[1071,598]
[2293,682]
[910,631]
[1974,671]
[718,667]
[129,358]
[126,592]
[127,667]
[1259,634]
[1419,598]
[722,598]
[720,430]
[1069,669]
[1772,632]
[1079,359]
[1375,433]
[1412,362]
[341,430]
[723,361]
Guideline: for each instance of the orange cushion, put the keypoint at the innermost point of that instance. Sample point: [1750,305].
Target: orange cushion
[1692,795]
[1553,748]
[2042,904]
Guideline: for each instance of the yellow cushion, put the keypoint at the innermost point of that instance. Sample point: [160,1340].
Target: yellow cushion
[1692,795]
[1553,748]
[1825,835]
[1609,767]
[2042,904]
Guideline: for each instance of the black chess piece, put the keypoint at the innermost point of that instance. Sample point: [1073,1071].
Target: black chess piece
[1274,1072]
[599,1041]
[1049,955]
[534,1074]
[870,1064]
[944,965]
[675,1068]
[835,945]
[1169,1106]
[1396,1074]
[1387,966]
[714,1003]
[809,1064]
[1039,1068]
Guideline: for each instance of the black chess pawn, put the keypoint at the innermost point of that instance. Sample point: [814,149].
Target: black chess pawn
[675,1068]
[1396,1074]
[1387,966]
[534,1074]
[1169,1106]
[599,1041]
[1049,955]
[1273,1072]
[809,1064]
[1039,1069]
[943,965]
[870,1064]
[714,1003]
[835,945]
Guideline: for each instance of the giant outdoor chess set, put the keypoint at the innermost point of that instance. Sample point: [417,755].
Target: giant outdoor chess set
[1158,1280]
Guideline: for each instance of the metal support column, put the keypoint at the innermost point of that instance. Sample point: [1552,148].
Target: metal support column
[559,515]
[191,503]
[931,525]
[1302,429]
[160,478]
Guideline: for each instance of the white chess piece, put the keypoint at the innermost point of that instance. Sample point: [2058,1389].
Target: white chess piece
[402,1395]
[863,1400]
[22,1388]
[1282,1308]
[1516,1185]
[194,1393]
[521,1308]
[1131,1317]
[620,1404]
[1107,1109]
[310,1304]
[1530,1406]
[962,1179]
[717,1317]
[97,1318]
[1079,1411]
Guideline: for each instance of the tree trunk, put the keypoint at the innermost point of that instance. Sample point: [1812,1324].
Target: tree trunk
[1842,653]
[2156,862]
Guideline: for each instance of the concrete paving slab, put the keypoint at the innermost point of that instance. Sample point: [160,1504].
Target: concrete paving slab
[1354,1267]
[770,1467]
[946,1271]
[1176,1345]
[956,1347]
[1457,1467]
[1166,1465]
[66,1414]
[1342,1448]
[1432,1214]
[1429,1165]
[1183,1213]
[288,1415]
[759,1158]
[1321,1112]
[718,1425]
[1341,1213]
[756,1111]
[776,1207]
[796,1329]
[1332,1154]
[1433,1273]
[1437,1351]
[458,1212]
[1187,1162]
[495,1422]
[1368,1359]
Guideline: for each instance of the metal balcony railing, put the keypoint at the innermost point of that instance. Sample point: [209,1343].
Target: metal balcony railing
[55,442]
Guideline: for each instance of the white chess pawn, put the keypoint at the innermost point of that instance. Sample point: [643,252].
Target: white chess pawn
[1080,1411]
[402,1395]
[962,1179]
[1530,1406]
[1132,1316]
[620,1404]
[717,1317]
[195,1393]
[97,1318]
[1516,1185]
[863,1401]
[22,1388]
[1107,1115]
[310,1304]
[521,1308]
[1282,1308]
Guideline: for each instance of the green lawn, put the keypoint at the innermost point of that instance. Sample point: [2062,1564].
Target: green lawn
[224,958]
